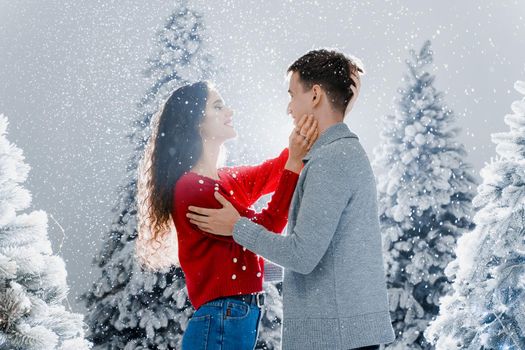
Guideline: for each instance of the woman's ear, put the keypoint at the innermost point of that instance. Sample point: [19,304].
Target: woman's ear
[316,97]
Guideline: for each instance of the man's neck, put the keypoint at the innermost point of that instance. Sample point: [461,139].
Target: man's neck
[326,123]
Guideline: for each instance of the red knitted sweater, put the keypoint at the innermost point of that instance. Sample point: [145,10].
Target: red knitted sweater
[217,266]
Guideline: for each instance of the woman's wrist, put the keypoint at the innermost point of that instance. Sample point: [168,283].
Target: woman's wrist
[294,165]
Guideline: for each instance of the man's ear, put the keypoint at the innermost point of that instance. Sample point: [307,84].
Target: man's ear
[316,95]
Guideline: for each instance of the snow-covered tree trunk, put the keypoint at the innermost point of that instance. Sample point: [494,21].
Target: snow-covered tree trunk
[425,190]
[486,309]
[33,284]
[130,308]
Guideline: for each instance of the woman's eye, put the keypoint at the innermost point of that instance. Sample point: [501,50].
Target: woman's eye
[218,107]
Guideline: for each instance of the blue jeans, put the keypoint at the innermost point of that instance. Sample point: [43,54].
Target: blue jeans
[223,324]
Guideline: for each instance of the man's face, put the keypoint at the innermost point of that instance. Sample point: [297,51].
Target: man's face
[300,99]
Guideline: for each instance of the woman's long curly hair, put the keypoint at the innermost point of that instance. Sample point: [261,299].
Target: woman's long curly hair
[174,147]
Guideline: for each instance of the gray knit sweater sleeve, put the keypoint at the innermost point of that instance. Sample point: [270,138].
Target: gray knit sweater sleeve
[327,189]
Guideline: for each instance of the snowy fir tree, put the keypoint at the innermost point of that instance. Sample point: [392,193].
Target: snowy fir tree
[32,280]
[425,189]
[486,309]
[130,307]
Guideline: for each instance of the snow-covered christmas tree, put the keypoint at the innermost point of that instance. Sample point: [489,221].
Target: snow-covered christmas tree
[486,309]
[131,308]
[425,189]
[33,284]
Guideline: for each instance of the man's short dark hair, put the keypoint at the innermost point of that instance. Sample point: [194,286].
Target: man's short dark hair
[331,70]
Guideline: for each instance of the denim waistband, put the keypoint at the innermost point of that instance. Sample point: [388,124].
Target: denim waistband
[219,302]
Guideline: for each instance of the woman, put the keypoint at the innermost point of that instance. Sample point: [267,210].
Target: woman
[179,169]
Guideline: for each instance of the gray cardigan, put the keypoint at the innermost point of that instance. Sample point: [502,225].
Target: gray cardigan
[334,286]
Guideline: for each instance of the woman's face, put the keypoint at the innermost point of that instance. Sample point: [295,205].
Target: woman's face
[218,122]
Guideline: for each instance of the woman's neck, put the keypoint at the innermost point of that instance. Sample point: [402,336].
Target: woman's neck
[207,163]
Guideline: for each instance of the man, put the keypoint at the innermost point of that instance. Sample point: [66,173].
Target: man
[334,287]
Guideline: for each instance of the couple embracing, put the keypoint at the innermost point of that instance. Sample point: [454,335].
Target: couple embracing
[197,215]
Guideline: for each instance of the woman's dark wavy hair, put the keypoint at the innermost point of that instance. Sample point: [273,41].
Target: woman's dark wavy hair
[174,147]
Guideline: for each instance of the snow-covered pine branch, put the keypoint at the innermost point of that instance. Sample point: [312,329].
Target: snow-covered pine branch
[33,284]
[486,309]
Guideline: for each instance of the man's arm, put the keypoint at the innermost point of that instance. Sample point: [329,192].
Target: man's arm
[327,191]
[329,185]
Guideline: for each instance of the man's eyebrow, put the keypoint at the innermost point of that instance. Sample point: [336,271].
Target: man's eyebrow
[217,100]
